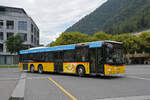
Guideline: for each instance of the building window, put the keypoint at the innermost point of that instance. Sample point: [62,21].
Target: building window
[2,60]
[9,34]
[1,24]
[22,25]
[34,31]
[37,42]
[37,33]
[10,25]
[1,47]
[23,36]
[1,35]
[32,28]
[32,38]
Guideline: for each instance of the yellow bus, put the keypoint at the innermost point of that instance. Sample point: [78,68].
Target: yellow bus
[99,58]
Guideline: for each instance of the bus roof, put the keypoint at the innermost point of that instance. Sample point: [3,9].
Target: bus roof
[64,47]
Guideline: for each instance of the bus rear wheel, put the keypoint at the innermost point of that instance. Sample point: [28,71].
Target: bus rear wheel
[40,69]
[32,69]
[81,71]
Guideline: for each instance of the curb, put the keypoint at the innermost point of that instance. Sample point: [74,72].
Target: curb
[18,93]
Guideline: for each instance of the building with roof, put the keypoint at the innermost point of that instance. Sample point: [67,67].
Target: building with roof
[16,21]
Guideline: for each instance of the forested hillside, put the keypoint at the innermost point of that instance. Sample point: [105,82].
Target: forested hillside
[116,16]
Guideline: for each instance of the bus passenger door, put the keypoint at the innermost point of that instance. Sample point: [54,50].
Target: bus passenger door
[100,65]
[96,60]
[58,63]
[92,54]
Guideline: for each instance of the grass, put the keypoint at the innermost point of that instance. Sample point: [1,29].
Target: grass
[8,66]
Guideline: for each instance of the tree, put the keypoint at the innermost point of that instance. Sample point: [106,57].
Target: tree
[131,43]
[101,36]
[14,44]
[71,38]
[145,38]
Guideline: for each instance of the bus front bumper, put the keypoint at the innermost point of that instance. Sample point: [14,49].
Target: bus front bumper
[111,70]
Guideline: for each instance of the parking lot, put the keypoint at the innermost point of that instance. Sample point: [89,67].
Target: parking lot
[133,85]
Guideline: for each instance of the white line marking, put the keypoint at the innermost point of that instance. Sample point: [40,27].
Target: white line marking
[137,74]
[5,79]
[37,77]
[145,97]
[139,78]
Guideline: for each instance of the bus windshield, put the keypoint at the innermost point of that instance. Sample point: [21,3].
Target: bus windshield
[114,54]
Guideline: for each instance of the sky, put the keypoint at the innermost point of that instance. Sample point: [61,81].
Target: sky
[54,16]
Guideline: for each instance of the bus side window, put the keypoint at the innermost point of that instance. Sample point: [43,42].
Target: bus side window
[50,57]
[84,54]
[29,56]
[41,56]
[55,55]
[68,56]
[61,55]
[26,57]
[46,57]
[78,55]
[81,54]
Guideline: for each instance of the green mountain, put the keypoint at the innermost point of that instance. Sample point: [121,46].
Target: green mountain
[116,16]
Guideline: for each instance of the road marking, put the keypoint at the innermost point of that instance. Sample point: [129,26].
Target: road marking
[139,78]
[37,77]
[137,74]
[6,79]
[60,87]
[145,97]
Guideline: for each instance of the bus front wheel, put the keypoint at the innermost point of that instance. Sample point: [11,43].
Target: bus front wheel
[81,71]
[40,69]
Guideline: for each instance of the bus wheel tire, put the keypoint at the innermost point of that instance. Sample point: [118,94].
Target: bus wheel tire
[40,69]
[32,69]
[81,71]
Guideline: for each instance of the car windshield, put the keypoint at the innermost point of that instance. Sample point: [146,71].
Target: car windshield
[114,54]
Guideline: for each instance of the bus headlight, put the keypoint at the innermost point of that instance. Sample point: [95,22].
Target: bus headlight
[109,70]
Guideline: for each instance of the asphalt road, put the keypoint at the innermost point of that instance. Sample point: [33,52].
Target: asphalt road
[134,84]
[8,81]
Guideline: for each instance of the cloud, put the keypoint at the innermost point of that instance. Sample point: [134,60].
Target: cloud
[54,16]
[46,38]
